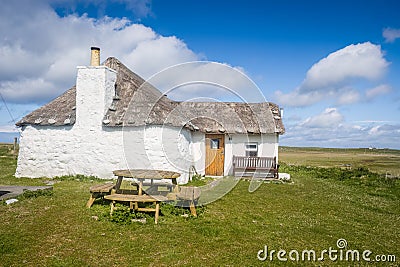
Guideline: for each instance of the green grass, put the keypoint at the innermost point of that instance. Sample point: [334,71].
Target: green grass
[377,160]
[312,212]
[198,180]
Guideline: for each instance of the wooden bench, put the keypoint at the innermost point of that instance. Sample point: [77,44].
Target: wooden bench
[134,200]
[262,167]
[191,194]
[99,190]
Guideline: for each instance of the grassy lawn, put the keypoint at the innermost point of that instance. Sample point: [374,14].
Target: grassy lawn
[377,160]
[309,213]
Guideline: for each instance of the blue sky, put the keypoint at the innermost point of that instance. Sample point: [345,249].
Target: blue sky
[332,65]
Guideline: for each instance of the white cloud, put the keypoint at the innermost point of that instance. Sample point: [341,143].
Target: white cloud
[329,118]
[354,61]
[40,52]
[41,64]
[348,96]
[332,76]
[373,121]
[391,35]
[385,129]
[297,99]
[153,55]
[377,91]
[8,129]
[218,81]
[35,90]
[317,131]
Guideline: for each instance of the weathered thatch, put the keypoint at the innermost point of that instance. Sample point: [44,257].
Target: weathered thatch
[60,111]
[137,103]
[127,85]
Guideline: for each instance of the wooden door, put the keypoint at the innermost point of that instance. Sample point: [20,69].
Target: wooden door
[215,149]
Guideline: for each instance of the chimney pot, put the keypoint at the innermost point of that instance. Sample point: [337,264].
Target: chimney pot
[95,56]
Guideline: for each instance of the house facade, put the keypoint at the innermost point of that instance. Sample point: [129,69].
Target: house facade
[112,119]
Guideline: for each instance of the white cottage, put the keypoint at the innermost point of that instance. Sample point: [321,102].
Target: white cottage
[113,120]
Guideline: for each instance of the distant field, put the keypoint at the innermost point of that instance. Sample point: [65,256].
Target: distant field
[376,160]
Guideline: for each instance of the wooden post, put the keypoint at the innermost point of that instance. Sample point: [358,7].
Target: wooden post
[117,185]
[112,207]
[15,145]
[192,208]
[90,201]
[140,187]
[157,212]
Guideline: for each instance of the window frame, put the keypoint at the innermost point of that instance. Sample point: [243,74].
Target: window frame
[214,141]
[249,151]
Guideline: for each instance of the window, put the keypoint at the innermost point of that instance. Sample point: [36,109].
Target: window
[251,149]
[214,143]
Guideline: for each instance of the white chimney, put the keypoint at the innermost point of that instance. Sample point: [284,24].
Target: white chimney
[281,111]
[95,56]
[94,92]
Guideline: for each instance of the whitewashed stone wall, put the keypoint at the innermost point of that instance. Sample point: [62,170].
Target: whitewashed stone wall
[158,147]
[199,151]
[89,148]
[55,151]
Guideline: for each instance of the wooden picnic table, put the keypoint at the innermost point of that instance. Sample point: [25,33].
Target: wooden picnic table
[141,175]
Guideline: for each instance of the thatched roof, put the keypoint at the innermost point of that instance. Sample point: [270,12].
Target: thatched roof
[60,111]
[138,103]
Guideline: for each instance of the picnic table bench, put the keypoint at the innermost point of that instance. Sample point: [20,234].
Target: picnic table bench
[134,201]
[99,190]
[256,166]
